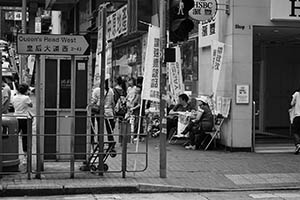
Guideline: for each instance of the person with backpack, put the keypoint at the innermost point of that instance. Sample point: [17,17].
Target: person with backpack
[119,89]
[120,98]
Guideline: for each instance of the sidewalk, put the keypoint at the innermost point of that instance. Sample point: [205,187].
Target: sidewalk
[187,170]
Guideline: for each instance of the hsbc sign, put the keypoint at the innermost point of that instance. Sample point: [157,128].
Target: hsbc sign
[203,10]
[285,10]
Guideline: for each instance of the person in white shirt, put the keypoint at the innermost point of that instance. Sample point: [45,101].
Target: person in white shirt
[131,93]
[22,104]
[108,108]
[296,121]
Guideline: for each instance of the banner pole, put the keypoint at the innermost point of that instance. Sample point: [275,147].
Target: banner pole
[138,136]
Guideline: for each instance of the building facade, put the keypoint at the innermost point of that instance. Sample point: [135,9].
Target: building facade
[261,39]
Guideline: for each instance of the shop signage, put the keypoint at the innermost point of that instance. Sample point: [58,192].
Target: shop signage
[52,44]
[204,10]
[282,10]
[242,94]
[116,23]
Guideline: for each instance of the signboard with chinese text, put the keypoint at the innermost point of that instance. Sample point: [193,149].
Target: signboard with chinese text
[175,77]
[217,51]
[242,94]
[52,44]
[208,31]
[152,66]
[203,10]
[116,23]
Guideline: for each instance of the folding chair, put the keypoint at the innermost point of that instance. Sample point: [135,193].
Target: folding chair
[215,133]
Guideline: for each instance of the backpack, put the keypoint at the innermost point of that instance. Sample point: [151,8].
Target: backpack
[121,108]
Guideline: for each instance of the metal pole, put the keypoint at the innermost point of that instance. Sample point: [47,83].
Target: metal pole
[1,142]
[73,92]
[124,132]
[24,28]
[39,162]
[253,127]
[29,145]
[163,135]
[102,83]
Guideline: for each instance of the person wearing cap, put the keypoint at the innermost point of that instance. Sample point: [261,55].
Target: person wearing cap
[197,127]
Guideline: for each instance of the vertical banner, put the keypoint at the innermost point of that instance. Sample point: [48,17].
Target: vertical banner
[217,51]
[108,60]
[175,77]
[152,66]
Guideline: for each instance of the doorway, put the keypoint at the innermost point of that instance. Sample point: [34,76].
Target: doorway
[276,72]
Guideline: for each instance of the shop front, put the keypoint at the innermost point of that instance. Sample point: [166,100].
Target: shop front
[261,46]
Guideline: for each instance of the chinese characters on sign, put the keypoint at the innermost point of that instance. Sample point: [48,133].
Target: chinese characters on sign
[116,23]
[155,69]
[242,94]
[152,66]
[51,44]
[217,51]
[203,10]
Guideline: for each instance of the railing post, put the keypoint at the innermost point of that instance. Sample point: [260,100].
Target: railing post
[124,131]
[253,127]
[1,142]
[29,147]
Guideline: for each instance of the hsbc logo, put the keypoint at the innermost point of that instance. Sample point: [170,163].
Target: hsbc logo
[285,10]
[294,7]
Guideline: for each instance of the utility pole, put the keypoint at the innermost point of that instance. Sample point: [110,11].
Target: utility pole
[24,27]
[163,92]
[102,27]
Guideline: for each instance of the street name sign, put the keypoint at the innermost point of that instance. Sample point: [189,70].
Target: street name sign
[52,44]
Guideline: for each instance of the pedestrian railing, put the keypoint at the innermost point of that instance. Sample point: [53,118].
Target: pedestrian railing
[93,157]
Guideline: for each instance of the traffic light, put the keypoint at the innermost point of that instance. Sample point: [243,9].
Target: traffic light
[180,24]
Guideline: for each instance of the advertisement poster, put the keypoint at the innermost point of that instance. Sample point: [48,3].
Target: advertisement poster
[242,94]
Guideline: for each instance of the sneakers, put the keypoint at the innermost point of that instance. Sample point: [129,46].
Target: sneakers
[297,149]
[190,147]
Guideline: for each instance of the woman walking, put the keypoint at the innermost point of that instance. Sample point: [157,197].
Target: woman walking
[22,104]
[296,121]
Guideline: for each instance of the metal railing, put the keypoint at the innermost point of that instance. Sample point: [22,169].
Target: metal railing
[38,156]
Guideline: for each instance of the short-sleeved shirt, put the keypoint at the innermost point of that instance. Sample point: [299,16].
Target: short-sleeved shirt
[108,103]
[21,104]
[296,102]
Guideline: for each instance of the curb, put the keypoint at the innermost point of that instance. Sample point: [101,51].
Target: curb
[55,189]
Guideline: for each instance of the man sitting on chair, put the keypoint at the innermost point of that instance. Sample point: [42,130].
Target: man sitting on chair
[197,127]
[182,106]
